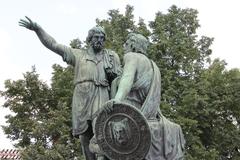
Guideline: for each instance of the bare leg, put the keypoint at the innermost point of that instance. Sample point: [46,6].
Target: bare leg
[85,140]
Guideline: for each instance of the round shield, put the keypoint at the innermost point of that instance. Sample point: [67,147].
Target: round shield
[123,134]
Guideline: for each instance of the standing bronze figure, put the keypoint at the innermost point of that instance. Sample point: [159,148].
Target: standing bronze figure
[94,70]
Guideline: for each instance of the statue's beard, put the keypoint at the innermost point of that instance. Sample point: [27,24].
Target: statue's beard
[98,46]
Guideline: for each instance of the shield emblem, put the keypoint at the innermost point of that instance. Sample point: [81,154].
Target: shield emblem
[123,134]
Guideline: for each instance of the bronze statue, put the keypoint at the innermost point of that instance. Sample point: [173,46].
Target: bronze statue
[140,86]
[131,125]
[122,133]
[94,70]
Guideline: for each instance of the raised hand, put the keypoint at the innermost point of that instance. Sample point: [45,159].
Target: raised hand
[29,24]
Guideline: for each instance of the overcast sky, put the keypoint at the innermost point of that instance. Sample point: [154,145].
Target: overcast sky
[68,19]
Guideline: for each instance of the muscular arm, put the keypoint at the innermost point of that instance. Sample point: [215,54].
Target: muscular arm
[129,71]
[48,41]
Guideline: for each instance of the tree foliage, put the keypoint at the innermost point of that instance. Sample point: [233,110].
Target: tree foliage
[200,95]
[42,115]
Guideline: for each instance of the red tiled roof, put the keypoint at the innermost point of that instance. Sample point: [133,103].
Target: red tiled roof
[9,154]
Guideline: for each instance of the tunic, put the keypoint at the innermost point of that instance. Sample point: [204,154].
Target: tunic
[91,83]
[167,137]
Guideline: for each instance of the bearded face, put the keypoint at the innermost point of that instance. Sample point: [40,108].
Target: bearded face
[97,42]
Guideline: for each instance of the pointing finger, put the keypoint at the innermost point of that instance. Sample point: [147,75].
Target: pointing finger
[29,19]
[22,22]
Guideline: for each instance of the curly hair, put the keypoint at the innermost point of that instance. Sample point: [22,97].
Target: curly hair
[138,43]
[91,32]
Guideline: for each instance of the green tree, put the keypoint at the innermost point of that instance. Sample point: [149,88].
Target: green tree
[183,58]
[41,122]
[118,26]
[200,95]
[219,105]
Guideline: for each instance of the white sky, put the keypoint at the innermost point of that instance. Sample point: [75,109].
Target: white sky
[68,19]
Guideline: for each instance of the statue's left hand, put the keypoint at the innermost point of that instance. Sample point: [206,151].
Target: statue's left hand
[108,106]
[29,24]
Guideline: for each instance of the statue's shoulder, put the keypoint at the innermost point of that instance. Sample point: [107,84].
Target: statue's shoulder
[79,52]
[135,55]
[131,56]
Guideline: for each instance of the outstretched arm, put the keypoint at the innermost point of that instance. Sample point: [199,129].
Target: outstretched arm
[126,81]
[45,38]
